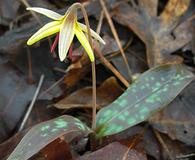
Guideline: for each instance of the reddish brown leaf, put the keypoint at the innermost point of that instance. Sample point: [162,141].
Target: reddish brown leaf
[57,150]
[106,93]
[8,146]
[117,150]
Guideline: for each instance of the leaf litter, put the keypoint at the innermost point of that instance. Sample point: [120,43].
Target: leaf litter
[159,33]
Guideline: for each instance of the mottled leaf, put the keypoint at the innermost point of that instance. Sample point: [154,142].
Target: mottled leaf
[178,123]
[44,133]
[151,92]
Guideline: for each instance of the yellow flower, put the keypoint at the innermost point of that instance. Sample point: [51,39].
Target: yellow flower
[68,26]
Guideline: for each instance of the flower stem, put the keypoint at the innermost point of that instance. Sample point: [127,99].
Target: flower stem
[94,96]
[93,66]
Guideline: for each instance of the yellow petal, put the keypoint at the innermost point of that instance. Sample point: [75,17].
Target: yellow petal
[93,33]
[66,35]
[45,31]
[84,41]
[49,13]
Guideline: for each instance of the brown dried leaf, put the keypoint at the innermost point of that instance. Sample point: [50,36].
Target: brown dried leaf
[150,5]
[177,120]
[8,9]
[176,149]
[74,75]
[15,94]
[159,33]
[174,9]
[8,146]
[108,91]
[117,150]
[137,133]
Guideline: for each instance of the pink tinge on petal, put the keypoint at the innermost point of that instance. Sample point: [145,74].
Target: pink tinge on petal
[70,51]
[55,43]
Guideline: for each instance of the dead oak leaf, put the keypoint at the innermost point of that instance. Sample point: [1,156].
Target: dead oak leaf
[162,34]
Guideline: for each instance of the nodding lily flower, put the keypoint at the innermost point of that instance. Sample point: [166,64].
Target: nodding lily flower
[67,26]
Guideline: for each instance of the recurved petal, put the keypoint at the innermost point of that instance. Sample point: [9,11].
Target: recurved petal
[93,33]
[49,13]
[66,35]
[84,41]
[45,31]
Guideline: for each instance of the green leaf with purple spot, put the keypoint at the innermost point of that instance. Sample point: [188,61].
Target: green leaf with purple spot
[154,90]
[44,133]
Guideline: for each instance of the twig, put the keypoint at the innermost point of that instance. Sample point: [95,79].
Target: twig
[59,70]
[104,60]
[31,104]
[116,37]
[161,141]
[115,53]
[30,74]
[185,156]
[99,26]
[111,67]
[191,18]
[51,87]
[33,13]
